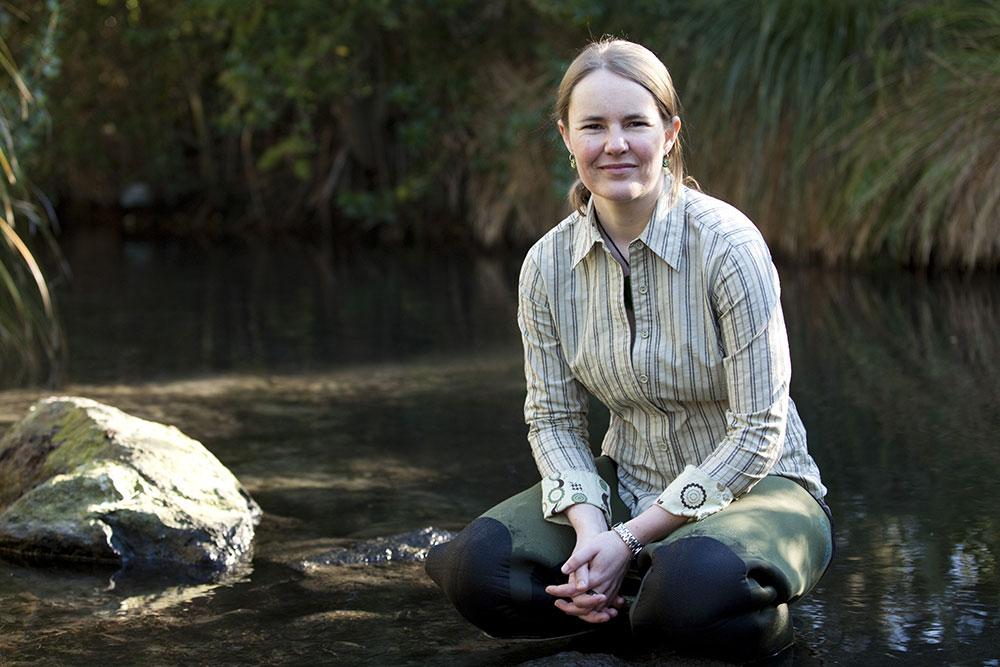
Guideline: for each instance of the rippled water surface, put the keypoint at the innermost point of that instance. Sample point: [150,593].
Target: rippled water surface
[371,394]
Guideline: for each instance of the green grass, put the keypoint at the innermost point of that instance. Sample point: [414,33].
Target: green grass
[30,334]
[923,170]
[853,131]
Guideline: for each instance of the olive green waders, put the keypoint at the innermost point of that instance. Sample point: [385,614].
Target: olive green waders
[719,587]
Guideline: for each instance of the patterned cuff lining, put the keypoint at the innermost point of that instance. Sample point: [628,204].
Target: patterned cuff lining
[564,489]
[694,494]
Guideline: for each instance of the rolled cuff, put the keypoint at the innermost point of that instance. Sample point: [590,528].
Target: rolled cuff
[694,494]
[562,490]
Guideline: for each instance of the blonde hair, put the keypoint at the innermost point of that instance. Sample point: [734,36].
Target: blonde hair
[635,63]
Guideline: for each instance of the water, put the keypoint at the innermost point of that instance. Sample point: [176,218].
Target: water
[374,393]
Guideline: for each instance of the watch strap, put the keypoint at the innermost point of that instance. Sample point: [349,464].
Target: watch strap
[634,545]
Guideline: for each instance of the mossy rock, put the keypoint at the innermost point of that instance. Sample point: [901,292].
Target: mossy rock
[84,482]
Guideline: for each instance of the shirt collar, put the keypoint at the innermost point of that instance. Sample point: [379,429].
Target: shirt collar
[587,234]
[663,235]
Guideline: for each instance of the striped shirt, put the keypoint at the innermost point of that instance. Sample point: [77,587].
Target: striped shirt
[697,387]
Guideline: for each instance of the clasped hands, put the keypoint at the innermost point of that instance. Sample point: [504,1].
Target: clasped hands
[596,570]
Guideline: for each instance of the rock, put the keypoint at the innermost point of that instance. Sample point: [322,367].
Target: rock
[635,659]
[576,659]
[136,194]
[412,546]
[83,481]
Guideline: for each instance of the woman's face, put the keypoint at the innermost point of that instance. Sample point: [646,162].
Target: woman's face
[618,137]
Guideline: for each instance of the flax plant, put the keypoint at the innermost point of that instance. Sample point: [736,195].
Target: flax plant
[30,333]
[923,171]
[763,81]
[854,131]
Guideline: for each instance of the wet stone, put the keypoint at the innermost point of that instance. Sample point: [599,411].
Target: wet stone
[83,482]
[404,547]
[576,659]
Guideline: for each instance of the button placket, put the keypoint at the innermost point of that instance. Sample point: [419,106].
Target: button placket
[640,309]
[624,353]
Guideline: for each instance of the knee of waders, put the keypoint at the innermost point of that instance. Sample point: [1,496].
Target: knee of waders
[473,570]
[700,596]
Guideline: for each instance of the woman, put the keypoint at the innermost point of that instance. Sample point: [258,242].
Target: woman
[704,516]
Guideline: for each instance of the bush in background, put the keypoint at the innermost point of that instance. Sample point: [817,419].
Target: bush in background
[861,130]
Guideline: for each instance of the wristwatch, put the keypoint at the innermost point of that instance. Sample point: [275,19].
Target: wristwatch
[634,545]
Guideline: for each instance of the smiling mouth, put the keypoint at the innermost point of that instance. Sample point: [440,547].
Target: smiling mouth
[615,167]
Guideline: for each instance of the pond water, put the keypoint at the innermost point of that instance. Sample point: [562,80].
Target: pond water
[372,393]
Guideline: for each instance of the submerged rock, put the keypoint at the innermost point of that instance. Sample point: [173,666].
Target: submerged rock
[83,481]
[577,659]
[412,546]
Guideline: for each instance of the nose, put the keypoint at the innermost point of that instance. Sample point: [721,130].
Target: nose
[616,143]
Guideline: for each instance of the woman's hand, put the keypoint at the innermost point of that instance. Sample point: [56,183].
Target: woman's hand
[600,560]
[596,570]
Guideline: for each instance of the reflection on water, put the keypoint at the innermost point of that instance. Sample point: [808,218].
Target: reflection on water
[271,307]
[898,380]
[30,592]
[370,395]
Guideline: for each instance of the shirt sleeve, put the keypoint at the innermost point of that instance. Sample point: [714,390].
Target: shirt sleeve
[555,408]
[746,300]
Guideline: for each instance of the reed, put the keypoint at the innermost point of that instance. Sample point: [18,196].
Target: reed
[853,131]
[922,171]
[31,340]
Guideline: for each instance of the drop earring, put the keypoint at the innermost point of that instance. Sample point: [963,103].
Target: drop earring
[666,162]
[572,160]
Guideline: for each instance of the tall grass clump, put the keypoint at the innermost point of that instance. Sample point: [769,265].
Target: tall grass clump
[30,334]
[922,171]
[861,130]
[761,81]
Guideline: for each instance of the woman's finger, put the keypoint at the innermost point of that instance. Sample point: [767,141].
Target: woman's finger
[569,590]
[590,600]
[572,609]
[566,590]
[582,604]
[579,558]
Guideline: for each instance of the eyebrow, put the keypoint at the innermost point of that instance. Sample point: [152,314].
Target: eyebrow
[631,116]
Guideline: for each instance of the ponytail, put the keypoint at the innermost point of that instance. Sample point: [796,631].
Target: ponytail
[579,196]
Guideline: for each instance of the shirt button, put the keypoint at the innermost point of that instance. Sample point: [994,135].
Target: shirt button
[644,378]
[644,333]
[643,289]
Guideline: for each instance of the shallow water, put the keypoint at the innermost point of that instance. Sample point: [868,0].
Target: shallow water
[373,394]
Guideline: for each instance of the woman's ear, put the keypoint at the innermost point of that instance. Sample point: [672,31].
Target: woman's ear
[670,133]
[564,133]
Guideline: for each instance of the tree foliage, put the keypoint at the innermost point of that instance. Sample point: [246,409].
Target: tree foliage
[857,130]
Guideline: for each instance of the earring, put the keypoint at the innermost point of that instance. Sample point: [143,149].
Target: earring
[572,160]
[666,162]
